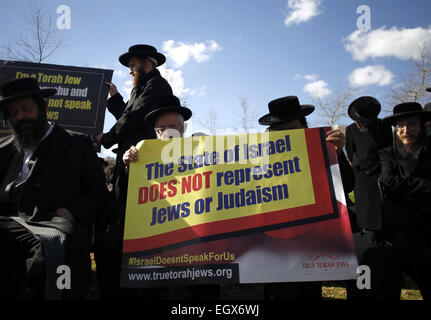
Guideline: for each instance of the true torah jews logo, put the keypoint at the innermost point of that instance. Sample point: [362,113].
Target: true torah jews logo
[331,254]
[324,261]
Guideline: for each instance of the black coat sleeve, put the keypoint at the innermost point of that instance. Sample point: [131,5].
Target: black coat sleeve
[394,182]
[116,105]
[128,123]
[135,119]
[347,174]
[91,201]
[350,143]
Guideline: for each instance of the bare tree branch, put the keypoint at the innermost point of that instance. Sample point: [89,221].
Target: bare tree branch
[36,40]
[210,122]
[246,116]
[413,86]
[333,108]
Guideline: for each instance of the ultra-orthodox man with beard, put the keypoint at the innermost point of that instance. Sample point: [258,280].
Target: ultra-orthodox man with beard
[52,188]
[130,128]
[406,185]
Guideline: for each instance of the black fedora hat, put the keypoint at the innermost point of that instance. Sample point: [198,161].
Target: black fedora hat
[428,89]
[407,109]
[285,109]
[167,104]
[143,51]
[21,88]
[364,109]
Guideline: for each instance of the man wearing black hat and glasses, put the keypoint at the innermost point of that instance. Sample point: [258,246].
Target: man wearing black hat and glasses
[364,138]
[285,114]
[51,189]
[167,120]
[406,186]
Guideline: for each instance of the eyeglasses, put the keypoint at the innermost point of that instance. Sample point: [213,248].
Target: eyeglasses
[408,124]
[177,127]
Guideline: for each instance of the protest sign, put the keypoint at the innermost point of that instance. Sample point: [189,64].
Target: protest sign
[254,208]
[80,102]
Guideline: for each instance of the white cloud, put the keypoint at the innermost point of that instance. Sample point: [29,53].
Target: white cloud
[301,11]
[120,73]
[368,75]
[312,77]
[382,42]
[200,92]
[180,53]
[175,79]
[127,88]
[316,88]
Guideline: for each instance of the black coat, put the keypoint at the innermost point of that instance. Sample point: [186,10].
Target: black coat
[66,172]
[363,153]
[131,128]
[406,184]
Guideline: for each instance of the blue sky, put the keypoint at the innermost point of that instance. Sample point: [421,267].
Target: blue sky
[218,50]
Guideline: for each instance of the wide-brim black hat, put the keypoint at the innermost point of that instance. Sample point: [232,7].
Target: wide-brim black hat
[407,109]
[428,89]
[364,109]
[285,109]
[167,104]
[142,51]
[21,88]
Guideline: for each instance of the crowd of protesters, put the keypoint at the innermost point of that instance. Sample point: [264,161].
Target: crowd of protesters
[57,206]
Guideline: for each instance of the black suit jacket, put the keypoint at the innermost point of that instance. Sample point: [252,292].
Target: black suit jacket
[131,128]
[363,153]
[64,172]
[406,184]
